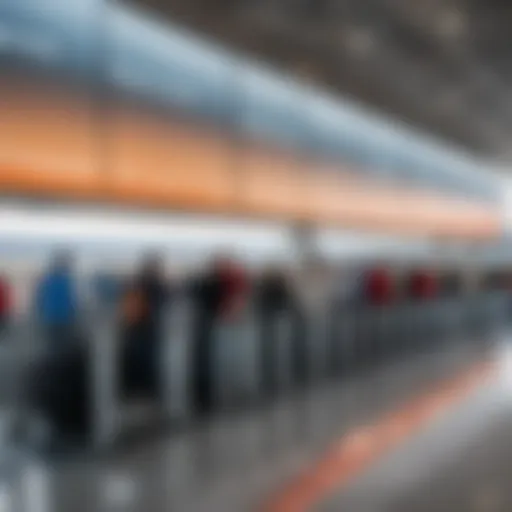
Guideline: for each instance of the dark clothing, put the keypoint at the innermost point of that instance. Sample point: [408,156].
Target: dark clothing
[273,295]
[207,293]
[59,336]
[59,390]
[273,299]
[142,335]
[219,294]
[215,295]
[5,299]
[5,306]
[153,295]
[156,294]
[422,286]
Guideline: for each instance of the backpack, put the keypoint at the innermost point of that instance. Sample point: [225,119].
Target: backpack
[134,306]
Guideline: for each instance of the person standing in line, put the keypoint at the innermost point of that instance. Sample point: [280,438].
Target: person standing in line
[274,298]
[143,306]
[56,302]
[380,293]
[220,292]
[421,289]
[5,305]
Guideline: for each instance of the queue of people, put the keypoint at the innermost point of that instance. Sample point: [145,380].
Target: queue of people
[222,293]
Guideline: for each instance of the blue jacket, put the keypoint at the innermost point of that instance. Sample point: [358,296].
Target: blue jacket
[56,300]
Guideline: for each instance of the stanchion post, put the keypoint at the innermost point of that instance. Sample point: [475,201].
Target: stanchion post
[104,380]
[174,360]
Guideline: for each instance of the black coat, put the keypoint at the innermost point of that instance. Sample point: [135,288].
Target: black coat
[273,296]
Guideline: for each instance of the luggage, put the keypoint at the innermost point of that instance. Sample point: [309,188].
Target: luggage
[300,354]
[139,361]
[59,390]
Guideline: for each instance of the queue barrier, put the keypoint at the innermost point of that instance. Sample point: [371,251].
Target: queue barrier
[342,334]
[417,320]
[482,312]
[235,361]
[317,342]
[5,333]
[335,341]
[284,338]
[498,305]
[435,329]
[110,412]
[175,361]
[363,335]
[379,333]
[8,379]
[18,351]
[104,380]
[397,335]
[476,320]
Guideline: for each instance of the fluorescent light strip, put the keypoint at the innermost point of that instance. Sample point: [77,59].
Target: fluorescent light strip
[100,231]
[74,226]
[334,245]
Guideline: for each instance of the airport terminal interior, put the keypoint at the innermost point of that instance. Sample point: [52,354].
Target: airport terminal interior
[255,256]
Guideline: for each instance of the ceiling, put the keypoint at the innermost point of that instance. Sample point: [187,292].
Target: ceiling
[444,66]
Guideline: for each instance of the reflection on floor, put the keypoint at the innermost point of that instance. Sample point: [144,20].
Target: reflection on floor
[234,463]
[461,463]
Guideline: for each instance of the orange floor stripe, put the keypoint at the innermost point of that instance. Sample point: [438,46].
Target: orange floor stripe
[361,448]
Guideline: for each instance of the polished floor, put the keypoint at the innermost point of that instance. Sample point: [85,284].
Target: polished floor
[470,473]
[237,462]
[461,463]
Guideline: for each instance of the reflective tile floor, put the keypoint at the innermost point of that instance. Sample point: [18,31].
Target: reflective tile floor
[235,463]
[461,463]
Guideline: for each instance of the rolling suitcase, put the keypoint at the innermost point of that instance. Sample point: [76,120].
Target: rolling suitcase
[59,390]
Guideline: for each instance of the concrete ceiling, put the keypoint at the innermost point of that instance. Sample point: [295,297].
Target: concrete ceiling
[444,66]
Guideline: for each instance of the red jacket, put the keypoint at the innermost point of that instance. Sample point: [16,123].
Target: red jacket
[5,298]
[422,285]
[236,291]
[379,287]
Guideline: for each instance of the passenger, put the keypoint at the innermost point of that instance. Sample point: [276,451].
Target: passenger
[274,294]
[5,305]
[221,292]
[235,293]
[402,321]
[143,306]
[421,288]
[274,298]
[422,285]
[56,302]
[379,286]
[379,292]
